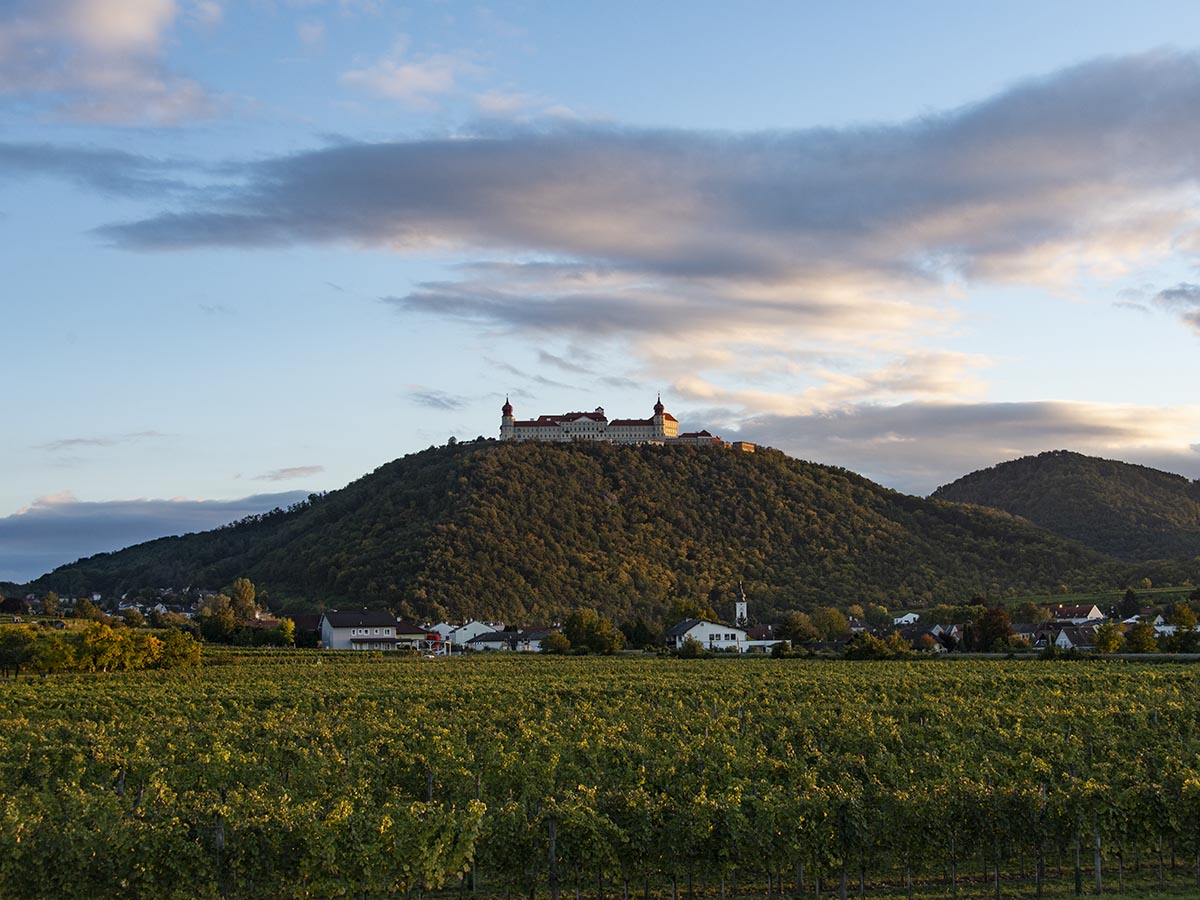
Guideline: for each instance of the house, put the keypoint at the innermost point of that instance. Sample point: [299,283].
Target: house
[1037,634]
[1075,637]
[712,635]
[907,619]
[373,629]
[308,628]
[414,637]
[463,634]
[1077,614]
[518,641]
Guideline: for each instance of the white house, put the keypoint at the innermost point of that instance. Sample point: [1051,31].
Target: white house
[516,641]
[907,619]
[712,635]
[463,634]
[364,630]
[1078,614]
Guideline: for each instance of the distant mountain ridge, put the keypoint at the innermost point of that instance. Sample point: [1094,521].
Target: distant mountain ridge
[1123,510]
[528,531]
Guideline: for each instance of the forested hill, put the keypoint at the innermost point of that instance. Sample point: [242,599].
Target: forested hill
[529,531]
[1127,511]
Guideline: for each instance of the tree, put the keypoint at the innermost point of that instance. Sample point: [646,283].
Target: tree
[133,618]
[687,608]
[691,648]
[641,634]
[831,623]
[287,632]
[942,614]
[991,632]
[179,650]
[1108,638]
[1031,612]
[1185,638]
[1140,639]
[877,616]
[86,609]
[100,649]
[1131,604]
[867,646]
[556,642]
[52,654]
[855,611]
[587,628]
[50,603]
[217,620]
[16,649]
[241,598]
[1183,616]
[798,628]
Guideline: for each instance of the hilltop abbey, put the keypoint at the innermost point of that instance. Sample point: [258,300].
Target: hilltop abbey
[660,428]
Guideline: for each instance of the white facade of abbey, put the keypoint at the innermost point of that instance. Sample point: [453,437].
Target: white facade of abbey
[660,428]
[590,426]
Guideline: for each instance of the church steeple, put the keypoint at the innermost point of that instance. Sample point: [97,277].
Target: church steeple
[659,409]
[508,424]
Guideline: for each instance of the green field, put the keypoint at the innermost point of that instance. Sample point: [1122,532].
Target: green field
[291,774]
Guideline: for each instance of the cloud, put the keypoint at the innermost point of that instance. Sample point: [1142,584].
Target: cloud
[916,447]
[113,172]
[758,253]
[510,369]
[434,399]
[100,61]
[289,473]
[59,528]
[101,441]
[566,365]
[414,80]
[853,231]
[1183,298]
[512,106]
[311,34]
[206,13]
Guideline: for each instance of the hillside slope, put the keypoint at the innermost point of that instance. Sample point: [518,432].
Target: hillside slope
[530,531]
[1127,511]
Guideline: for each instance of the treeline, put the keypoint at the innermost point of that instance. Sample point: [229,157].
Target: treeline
[529,532]
[1126,511]
[372,779]
[96,648]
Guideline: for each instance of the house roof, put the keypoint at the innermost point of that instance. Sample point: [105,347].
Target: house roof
[494,637]
[407,629]
[684,627]
[1078,637]
[364,618]
[1076,611]
[688,624]
[306,621]
[549,421]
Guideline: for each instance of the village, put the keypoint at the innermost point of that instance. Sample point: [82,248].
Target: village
[1078,628]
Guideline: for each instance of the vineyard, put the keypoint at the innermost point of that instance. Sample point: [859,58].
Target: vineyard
[281,774]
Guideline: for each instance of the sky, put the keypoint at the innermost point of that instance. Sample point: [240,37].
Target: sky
[256,249]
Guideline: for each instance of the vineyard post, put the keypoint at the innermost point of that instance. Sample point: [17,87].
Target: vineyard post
[552,825]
